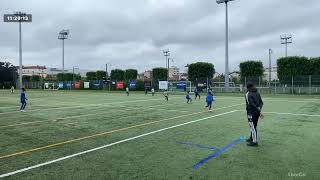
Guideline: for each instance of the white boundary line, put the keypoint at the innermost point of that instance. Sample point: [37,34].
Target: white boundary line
[87,105]
[108,145]
[292,114]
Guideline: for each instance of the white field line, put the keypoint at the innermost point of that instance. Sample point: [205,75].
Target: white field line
[82,115]
[93,114]
[291,101]
[53,105]
[291,114]
[87,105]
[108,145]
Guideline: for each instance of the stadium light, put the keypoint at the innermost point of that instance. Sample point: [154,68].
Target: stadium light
[227,46]
[166,53]
[62,36]
[286,39]
[18,17]
[270,52]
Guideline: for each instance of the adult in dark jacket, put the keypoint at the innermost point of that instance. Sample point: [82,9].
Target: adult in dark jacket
[254,105]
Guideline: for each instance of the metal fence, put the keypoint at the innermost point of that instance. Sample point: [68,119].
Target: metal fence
[309,84]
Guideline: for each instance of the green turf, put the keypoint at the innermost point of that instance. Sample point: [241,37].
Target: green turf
[287,143]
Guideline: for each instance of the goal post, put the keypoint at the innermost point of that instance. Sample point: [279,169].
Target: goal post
[50,86]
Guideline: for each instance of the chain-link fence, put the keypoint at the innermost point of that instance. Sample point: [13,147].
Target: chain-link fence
[309,84]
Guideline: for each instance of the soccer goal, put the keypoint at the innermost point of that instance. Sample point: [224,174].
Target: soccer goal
[51,86]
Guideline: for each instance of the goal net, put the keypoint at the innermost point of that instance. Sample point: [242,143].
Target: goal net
[51,86]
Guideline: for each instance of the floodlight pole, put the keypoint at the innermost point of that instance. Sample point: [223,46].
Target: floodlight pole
[286,39]
[108,75]
[226,77]
[270,52]
[62,56]
[166,53]
[226,46]
[62,36]
[20,56]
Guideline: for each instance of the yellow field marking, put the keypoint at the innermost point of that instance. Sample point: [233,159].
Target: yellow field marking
[104,133]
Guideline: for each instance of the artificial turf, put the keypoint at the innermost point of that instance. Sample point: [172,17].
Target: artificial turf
[62,123]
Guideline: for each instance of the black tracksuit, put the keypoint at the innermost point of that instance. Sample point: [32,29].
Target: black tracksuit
[254,105]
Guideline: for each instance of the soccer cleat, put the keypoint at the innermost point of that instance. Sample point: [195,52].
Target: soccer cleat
[248,140]
[252,144]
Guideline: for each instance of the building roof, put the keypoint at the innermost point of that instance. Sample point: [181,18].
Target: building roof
[33,67]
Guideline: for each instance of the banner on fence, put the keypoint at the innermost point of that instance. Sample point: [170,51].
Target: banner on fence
[77,85]
[132,84]
[97,84]
[181,85]
[60,85]
[86,85]
[163,85]
[120,85]
[69,85]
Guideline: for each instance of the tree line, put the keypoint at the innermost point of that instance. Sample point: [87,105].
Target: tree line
[286,68]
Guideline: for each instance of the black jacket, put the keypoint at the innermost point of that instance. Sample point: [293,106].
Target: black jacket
[254,102]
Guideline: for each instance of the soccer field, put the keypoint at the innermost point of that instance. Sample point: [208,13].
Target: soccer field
[100,135]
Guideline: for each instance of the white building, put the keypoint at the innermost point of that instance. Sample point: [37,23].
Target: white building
[174,71]
[274,74]
[34,70]
[82,72]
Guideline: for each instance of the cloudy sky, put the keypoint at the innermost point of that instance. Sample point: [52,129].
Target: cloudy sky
[133,33]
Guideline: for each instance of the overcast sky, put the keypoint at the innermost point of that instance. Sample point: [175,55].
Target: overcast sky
[133,33]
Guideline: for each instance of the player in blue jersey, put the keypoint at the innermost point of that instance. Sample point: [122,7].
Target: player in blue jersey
[209,100]
[23,100]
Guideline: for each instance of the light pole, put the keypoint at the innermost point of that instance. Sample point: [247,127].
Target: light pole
[18,17]
[226,79]
[62,36]
[166,53]
[74,68]
[107,75]
[286,39]
[270,52]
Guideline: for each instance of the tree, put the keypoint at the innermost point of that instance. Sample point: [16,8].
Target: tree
[68,77]
[8,73]
[50,77]
[200,70]
[100,75]
[289,67]
[159,74]
[251,70]
[26,78]
[315,65]
[131,74]
[117,74]
[139,85]
[91,75]
[35,78]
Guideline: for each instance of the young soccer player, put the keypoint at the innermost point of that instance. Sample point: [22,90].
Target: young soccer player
[188,97]
[23,100]
[254,105]
[209,100]
[12,89]
[196,93]
[152,91]
[145,91]
[166,95]
[127,91]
